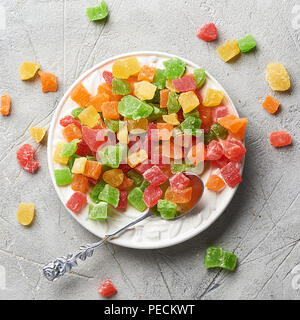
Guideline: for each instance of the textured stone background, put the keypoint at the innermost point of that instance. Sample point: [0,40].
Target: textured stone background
[262,223]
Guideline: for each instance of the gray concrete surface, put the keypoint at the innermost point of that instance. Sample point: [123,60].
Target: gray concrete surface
[262,223]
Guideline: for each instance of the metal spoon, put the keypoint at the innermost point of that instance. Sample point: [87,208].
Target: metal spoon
[56,269]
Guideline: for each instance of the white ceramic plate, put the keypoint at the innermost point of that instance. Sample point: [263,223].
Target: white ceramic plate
[153,232]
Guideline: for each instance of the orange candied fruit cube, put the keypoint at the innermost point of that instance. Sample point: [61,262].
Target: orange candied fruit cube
[79,183]
[271,104]
[227,121]
[92,169]
[71,132]
[48,81]
[126,184]
[181,196]
[132,80]
[240,134]
[171,150]
[5,105]
[98,100]
[205,114]
[106,88]
[164,95]
[215,183]
[110,110]
[197,153]
[147,73]
[100,124]
[80,95]
[164,130]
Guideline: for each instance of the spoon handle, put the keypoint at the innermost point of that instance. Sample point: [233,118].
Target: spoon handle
[56,269]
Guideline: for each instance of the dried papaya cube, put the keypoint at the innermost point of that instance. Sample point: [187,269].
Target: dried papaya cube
[164,96]
[80,95]
[48,81]
[126,184]
[5,105]
[277,77]
[234,149]
[271,104]
[144,90]
[98,100]
[219,112]
[280,139]
[208,32]
[25,213]
[213,98]
[113,177]
[136,158]
[147,73]
[104,88]
[110,110]
[214,151]
[215,183]
[92,169]
[71,132]
[28,70]
[89,116]
[237,124]
[197,154]
[79,165]
[188,101]
[57,154]
[77,201]
[164,131]
[37,133]
[79,183]
[240,134]
[185,83]
[68,120]
[63,177]
[228,50]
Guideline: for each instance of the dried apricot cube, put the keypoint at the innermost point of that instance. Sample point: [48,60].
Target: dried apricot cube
[89,116]
[48,81]
[5,105]
[215,183]
[25,213]
[28,70]
[80,95]
[147,73]
[71,132]
[213,98]
[228,50]
[92,169]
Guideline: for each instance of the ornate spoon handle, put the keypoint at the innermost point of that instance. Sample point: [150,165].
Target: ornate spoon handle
[56,269]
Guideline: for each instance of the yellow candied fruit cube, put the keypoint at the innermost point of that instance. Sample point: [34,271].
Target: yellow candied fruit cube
[228,50]
[89,116]
[213,98]
[136,158]
[25,213]
[79,165]
[28,70]
[169,85]
[188,101]
[57,157]
[137,126]
[144,90]
[171,118]
[277,77]
[133,65]
[123,134]
[120,69]
[37,133]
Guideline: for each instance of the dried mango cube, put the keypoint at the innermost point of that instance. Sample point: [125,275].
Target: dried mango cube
[98,12]
[63,177]
[79,165]
[113,177]
[228,50]
[5,105]
[277,77]
[71,132]
[144,90]
[136,158]
[174,68]
[89,116]
[171,118]
[92,169]
[57,154]
[147,73]
[188,101]
[28,70]
[271,104]
[48,81]
[123,134]
[80,95]
[213,98]
[25,213]
[37,133]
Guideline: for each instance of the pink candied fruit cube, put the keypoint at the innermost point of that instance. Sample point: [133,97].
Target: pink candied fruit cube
[231,175]
[155,176]
[214,151]
[144,166]
[179,181]
[76,202]
[151,195]
[220,163]
[234,150]
[184,84]
[280,139]
[108,77]
[122,205]
[219,112]
[107,289]
[65,121]
[208,32]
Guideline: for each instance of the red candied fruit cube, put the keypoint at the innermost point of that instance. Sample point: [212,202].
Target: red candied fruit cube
[125,167]
[280,139]
[221,162]
[151,195]
[83,149]
[208,32]
[122,205]
[107,289]
[144,166]
[76,202]
[179,181]
[25,158]
[234,150]
[219,112]
[65,121]
[94,138]
[108,77]
[184,84]
[155,176]
[214,151]
[231,175]
[199,96]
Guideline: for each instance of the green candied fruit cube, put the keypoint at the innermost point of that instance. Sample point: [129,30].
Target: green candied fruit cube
[157,112]
[76,112]
[63,177]
[167,209]
[143,111]
[178,167]
[72,160]
[135,198]
[136,177]
[145,184]
[173,105]
[159,79]
[111,156]
[94,194]
[69,149]
[200,77]
[110,195]
[133,108]
[98,12]
[219,131]
[120,86]
[194,113]
[156,98]
[98,211]
[174,68]
[191,125]
[112,124]
[217,257]
[247,43]
[209,137]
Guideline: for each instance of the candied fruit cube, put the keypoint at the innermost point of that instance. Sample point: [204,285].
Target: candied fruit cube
[136,177]
[68,120]
[98,212]
[197,154]
[151,195]
[179,181]
[48,81]
[5,105]
[79,183]
[122,205]
[174,68]
[76,202]
[144,90]
[164,131]
[217,257]
[98,12]
[125,68]
[219,112]
[173,104]
[69,149]
[137,126]
[92,169]
[120,86]
[164,96]
[113,177]
[107,289]
[108,77]
[192,126]
[167,209]
[135,198]
[160,79]
[280,139]
[110,195]
[200,77]
[28,70]
[233,149]
[231,175]
[184,84]
[90,116]
[215,183]
[228,50]
[171,119]
[110,110]
[80,95]
[271,104]
[213,98]
[57,154]
[205,114]
[155,176]
[247,43]
[126,184]
[98,100]
[37,133]
[214,151]
[71,132]
[63,177]
[123,134]
[94,194]
[277,77]
[111,156]
[93,138]
[208,32]
[25,213]
[147,73]
[79,165]
[188,101]
[137,157]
